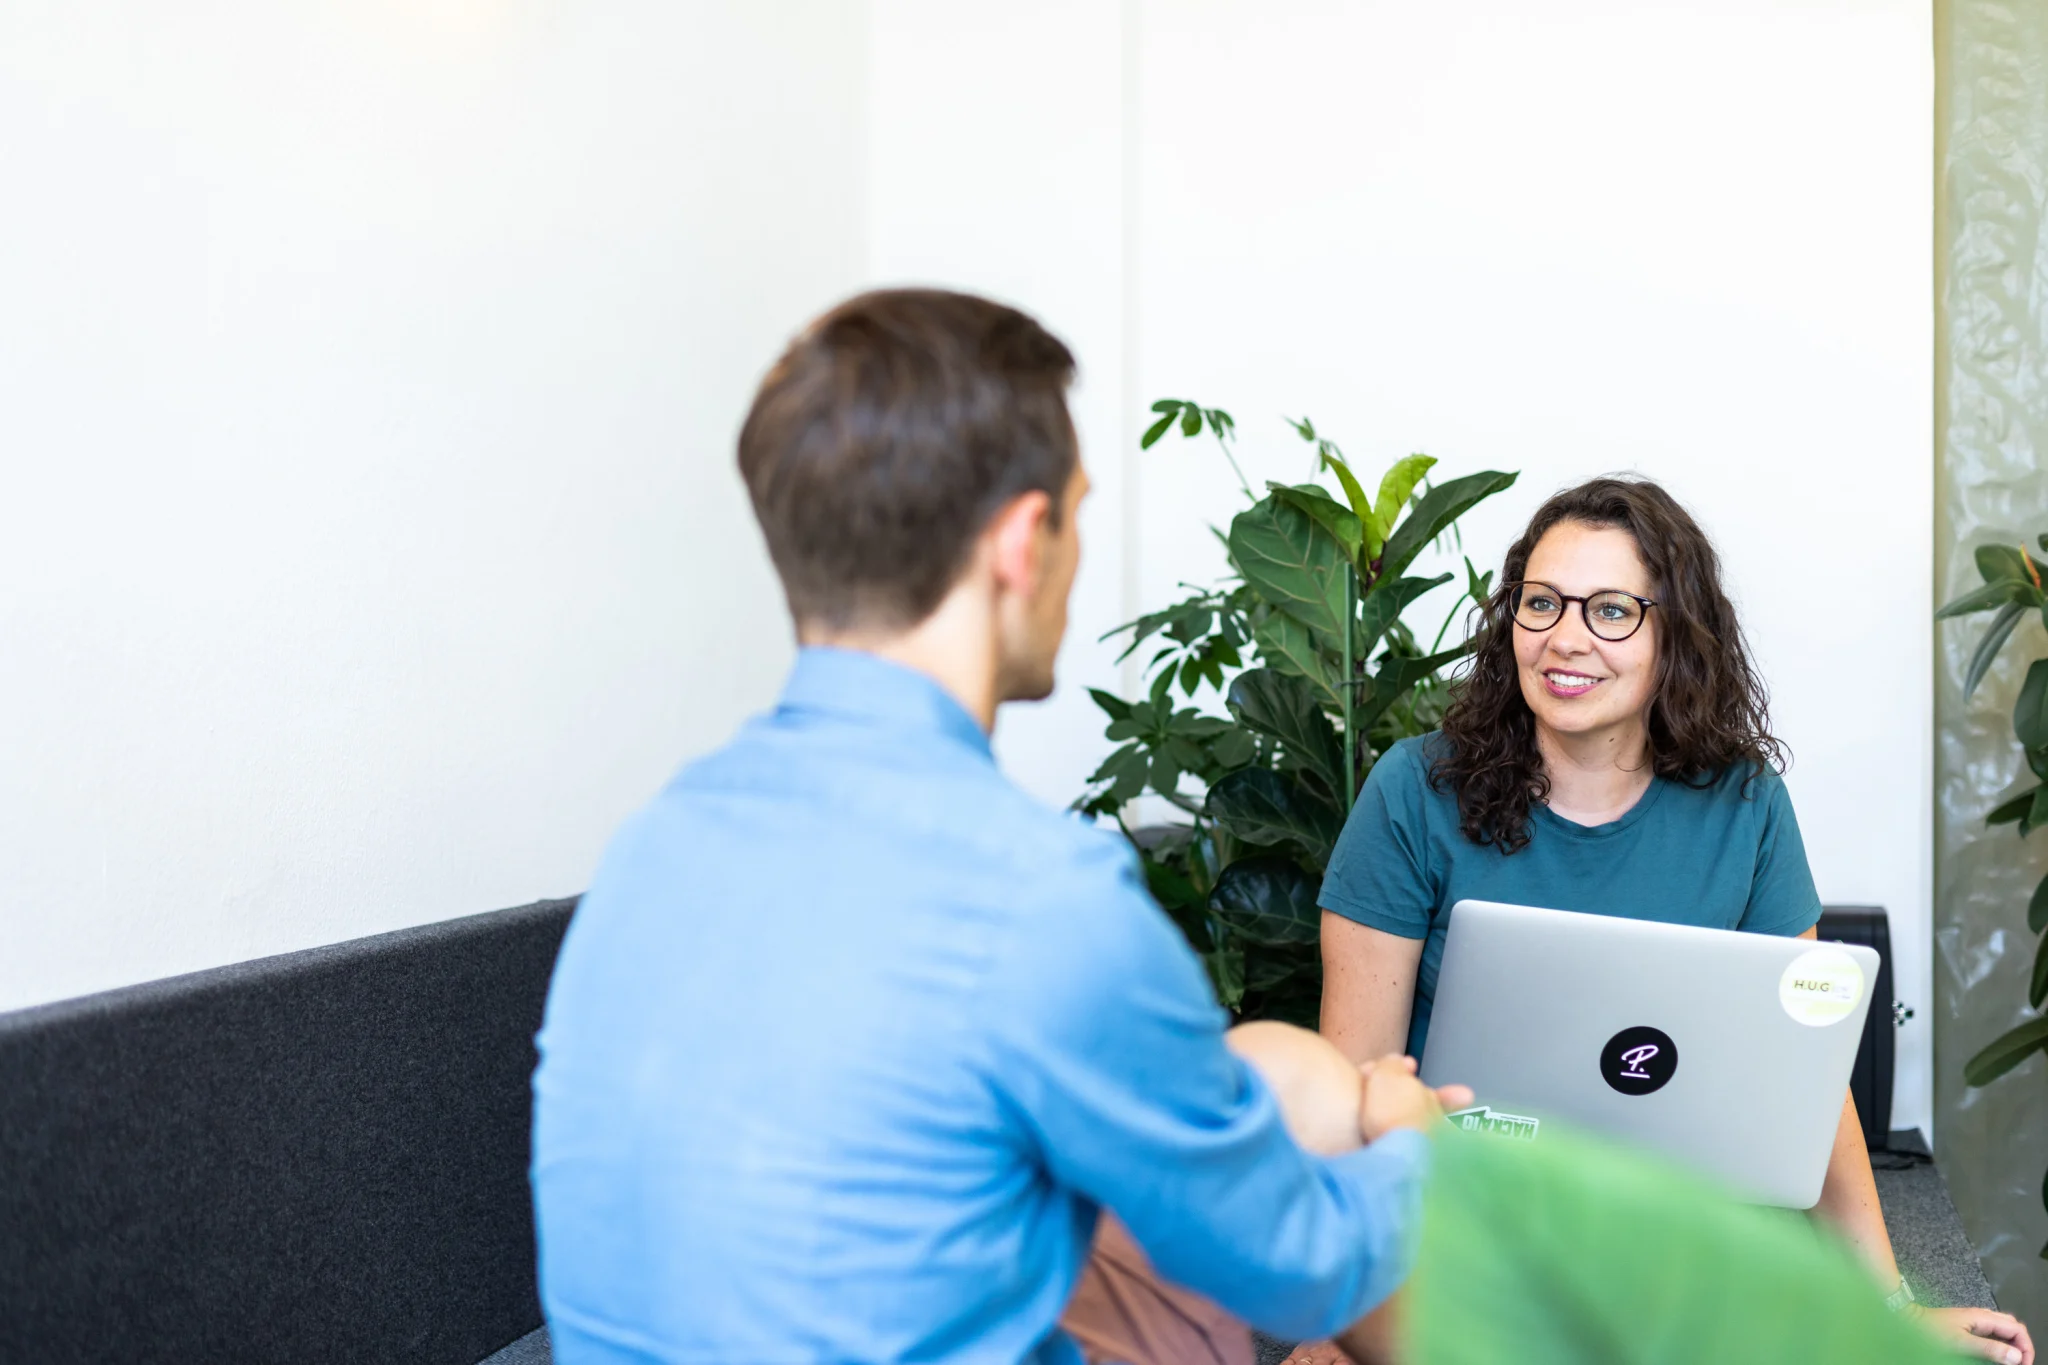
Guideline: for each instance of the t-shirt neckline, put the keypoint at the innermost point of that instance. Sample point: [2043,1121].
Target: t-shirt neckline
[1630,817]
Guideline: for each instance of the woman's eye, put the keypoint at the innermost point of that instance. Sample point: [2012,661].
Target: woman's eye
[1612,611]
[1539,603]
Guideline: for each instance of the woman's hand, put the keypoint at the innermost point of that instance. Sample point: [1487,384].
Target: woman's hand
[1393,1098]
[1317,1353]
[1980,1332]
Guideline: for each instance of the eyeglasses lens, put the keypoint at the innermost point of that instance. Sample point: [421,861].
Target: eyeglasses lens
[1612,616]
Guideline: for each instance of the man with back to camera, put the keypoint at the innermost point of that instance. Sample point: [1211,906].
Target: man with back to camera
[850,1040]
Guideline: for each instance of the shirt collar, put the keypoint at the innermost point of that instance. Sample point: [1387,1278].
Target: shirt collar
[855,685]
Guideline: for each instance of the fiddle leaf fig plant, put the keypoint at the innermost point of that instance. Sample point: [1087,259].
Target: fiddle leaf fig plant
[2012,588]
[1305,647]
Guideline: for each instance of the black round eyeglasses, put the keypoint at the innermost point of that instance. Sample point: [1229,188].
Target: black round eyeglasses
[1611,615]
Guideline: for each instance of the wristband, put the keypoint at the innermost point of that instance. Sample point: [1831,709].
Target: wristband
[1900,1297]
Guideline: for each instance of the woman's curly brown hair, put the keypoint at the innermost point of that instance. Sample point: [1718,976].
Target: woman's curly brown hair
[1708,711]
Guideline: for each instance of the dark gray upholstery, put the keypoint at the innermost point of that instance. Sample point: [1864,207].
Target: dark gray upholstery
[531,1349]
[307,1158]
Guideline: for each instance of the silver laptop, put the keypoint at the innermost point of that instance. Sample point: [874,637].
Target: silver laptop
[1730,1052]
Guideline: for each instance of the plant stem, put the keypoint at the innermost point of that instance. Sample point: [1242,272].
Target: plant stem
[1350,740]
[1438,643]
[1242,482]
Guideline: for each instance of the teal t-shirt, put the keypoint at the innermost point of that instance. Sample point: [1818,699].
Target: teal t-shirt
[1713,856]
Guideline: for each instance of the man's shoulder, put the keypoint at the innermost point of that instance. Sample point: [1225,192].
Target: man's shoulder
[945,803]
[1051,853]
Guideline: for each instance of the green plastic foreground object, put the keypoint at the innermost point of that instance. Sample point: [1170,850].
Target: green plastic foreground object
[1572,1251]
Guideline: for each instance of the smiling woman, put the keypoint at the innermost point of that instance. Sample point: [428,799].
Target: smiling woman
[1609,752]
[1578,710]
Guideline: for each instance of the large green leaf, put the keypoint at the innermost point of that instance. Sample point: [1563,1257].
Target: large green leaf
[2013,808]
[1284,643]
[2008,1051]
[1375,534]
[1267,965]
[2037,813]
[2008,563]
[1396,676]
[1261,806]
[2037,908]
[1987,648]
[1569,1250]
[1383,606]
[1294,564]
[2037,991]
[1439,507]
[1284,708]
[1333,516]
[1397,487]
[2030,715]
[1268,900]
[1982,599]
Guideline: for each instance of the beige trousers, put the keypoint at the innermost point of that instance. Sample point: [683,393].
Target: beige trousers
[1122,1312]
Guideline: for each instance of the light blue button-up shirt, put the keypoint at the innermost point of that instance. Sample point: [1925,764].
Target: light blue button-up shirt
[849,1042]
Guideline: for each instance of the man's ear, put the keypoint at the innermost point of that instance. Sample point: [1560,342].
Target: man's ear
[1016,540]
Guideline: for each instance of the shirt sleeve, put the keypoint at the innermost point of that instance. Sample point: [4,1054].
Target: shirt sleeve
[1110,1047]
[1782,899]
[1379,872]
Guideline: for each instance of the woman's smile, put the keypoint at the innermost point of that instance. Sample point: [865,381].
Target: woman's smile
[1567,685]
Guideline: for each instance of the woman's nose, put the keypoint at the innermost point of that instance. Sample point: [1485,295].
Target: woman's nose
[1570,635]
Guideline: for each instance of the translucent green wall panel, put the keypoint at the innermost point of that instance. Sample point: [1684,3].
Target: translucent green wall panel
[1991,430]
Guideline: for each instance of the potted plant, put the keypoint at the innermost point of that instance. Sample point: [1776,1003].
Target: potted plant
[2012,588]
[1319,675]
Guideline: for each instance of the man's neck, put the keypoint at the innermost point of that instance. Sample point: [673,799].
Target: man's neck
[954,647]
[1595,778]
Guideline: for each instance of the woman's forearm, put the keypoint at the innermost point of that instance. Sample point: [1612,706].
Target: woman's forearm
[1848,1198]
[1368,988]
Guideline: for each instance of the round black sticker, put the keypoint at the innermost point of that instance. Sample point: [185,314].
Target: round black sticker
[1639,1060]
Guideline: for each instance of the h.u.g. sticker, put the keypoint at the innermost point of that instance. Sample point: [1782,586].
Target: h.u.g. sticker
[1821,986]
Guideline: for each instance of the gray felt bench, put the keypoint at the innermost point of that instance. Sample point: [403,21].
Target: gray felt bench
[308,1158]
[322,1157]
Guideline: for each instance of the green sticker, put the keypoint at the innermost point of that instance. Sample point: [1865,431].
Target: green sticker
[1481,1119]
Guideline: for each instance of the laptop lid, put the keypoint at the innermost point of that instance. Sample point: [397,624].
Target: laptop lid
[1728,1051]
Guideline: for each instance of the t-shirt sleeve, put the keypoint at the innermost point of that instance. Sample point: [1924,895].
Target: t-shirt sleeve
[1108,1044]
[1379,874]
[1782,899]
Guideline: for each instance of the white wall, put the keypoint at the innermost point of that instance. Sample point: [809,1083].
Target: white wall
[368,378]
[1691,239]
[997,163]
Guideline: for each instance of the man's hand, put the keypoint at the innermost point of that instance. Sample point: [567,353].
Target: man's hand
[1393,1098]
[1980,1332]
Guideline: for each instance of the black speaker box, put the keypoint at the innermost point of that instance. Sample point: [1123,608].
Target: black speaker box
[1871,1081]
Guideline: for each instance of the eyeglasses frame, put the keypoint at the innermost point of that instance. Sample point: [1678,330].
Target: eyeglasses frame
[1513,592]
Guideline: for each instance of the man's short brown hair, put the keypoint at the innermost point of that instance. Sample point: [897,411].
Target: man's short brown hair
[887,436]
